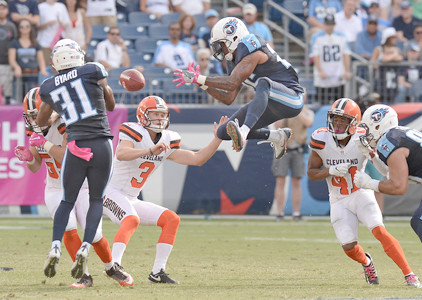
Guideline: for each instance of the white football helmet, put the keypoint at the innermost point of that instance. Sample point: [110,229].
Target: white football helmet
[67,54]
[229,31]
[377,120]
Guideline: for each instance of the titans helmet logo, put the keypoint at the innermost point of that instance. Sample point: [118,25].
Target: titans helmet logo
[230,27]
[379,114]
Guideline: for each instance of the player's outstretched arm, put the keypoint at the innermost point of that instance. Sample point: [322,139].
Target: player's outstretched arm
[126,150]
[398,183]
[226,97]
[314,167]
[108,94]
[187,157]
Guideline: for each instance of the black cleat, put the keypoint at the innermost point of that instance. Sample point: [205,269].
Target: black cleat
[161,277]
[120,275]
[85,281]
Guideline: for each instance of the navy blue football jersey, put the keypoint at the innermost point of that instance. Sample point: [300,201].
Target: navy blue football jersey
[275,68]
[408,138]
[77,97]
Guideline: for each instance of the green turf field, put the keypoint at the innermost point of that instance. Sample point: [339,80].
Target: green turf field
[214,259]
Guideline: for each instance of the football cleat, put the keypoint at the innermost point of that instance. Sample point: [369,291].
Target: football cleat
[161,277]
[120,275]
[413,280]
[85,281]
[279,144]
[233,130]
[50,264]
[79,265]
[370,272]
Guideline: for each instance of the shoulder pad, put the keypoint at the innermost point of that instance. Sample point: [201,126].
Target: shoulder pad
[129,129]
[318,138]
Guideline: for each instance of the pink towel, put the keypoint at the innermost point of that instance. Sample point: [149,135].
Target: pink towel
[84,153]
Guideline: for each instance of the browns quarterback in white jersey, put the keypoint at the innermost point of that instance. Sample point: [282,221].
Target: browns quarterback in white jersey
[336,157]
[49,143]
[143,146]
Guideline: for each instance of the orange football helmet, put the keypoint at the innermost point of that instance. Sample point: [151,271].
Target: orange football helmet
[344,107]
[153,103]
[31,106]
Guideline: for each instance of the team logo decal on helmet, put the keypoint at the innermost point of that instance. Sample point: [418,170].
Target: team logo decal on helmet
[230,27]
[379,114]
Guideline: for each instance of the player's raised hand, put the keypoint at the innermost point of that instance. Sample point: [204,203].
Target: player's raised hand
[339,170]
[23,153]
[364,181]
[37,140]
[188,76]
[364,147]
[223,120]
[160,147]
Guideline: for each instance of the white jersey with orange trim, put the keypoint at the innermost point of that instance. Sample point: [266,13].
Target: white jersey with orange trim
[55,136]
[130,176]
[324,144]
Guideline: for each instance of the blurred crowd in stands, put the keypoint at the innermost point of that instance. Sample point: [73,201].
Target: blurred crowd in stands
[158,36]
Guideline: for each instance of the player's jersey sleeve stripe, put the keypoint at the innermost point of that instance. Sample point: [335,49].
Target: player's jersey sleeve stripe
[61,128]
[44,155]
[175,144]
[317,144]
[130,132]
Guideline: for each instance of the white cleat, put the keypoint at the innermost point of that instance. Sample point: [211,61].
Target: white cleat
[78,267]
[50,264]
[279,144]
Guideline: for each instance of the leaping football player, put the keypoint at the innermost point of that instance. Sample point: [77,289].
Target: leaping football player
[336,157]
[251,62]
[49,143]
[143,146]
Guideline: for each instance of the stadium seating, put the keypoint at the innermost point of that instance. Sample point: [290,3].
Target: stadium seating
[99,32]
[308,84]
[146,44]
[200,20]
[141,18]
[139,58]
[296,7]
[159,31]
[167,19]
[132,31]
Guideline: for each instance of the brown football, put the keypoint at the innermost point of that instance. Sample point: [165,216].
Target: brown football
[132,80]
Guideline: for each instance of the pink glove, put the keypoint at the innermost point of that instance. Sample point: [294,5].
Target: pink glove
[187,76]
[23,153]
[37,140]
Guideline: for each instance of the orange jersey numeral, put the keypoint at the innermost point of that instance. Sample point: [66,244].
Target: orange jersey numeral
[147,167]
[341,182]
[51,169]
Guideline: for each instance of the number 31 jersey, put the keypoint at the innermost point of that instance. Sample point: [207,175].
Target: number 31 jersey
[130,176]
[323,143]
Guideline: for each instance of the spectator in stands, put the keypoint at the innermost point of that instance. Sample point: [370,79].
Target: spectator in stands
[26,57]
[318,10]
[208,66]
[410,76]
[417,35]
[24,9]
[250,14]
[53,19]
[374,10]
[368,39]
[79,29]
[211,17]
[332,67]
[102,12]
[347,22]
[9,33]
[192,7]
[386,83]
[187,23]
[173,54]
[112,52]
[405,23]
[156,7]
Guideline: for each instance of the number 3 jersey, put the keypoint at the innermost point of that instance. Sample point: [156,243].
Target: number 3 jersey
[130,176]
[408,138]
[323,143]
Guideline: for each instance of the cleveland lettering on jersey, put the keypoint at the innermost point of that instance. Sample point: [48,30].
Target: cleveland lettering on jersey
[59,79]
[152,157]
[334,162]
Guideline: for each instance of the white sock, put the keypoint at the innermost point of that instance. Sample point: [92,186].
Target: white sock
[368,261]
[117,252]
[87,245]
[56,243]
[109,265]
[86,270]
[244,130]
[161,256]
[296,213]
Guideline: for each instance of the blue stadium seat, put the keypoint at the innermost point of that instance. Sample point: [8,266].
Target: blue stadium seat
[146,44]
[132,31]
[200,19]
[167,19]
[159,31]
[308,84]
[201,30]
[115,72]
[99,32]
[296,7]
[142,59]
[182,94]
[141,18]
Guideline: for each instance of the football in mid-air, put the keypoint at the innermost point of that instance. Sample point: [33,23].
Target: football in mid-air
[132,80]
